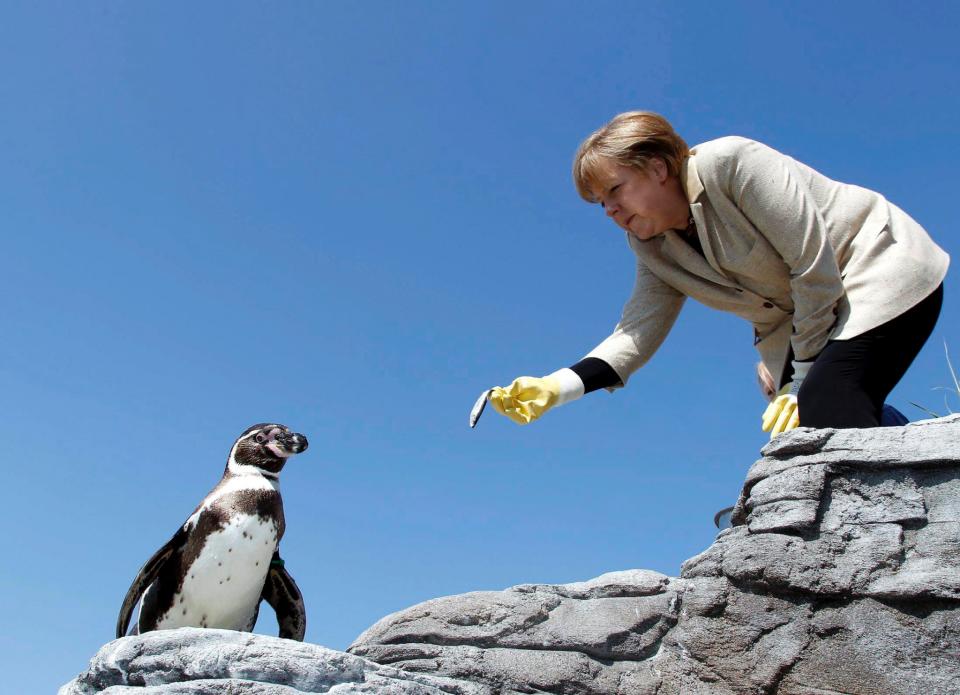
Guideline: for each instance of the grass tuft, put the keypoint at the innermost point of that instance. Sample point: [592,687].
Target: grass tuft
[947,391]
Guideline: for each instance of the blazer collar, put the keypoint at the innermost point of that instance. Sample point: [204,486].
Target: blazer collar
[693,186]
[690,178]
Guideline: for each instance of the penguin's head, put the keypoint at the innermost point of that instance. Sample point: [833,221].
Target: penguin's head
[264,448]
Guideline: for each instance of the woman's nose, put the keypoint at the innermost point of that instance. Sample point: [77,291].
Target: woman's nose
[611,208]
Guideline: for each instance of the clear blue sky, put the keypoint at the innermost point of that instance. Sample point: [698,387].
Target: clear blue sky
[353,217]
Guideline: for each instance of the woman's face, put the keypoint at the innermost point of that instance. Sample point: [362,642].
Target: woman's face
[644,202]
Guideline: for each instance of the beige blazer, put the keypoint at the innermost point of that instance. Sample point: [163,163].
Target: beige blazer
[804,258]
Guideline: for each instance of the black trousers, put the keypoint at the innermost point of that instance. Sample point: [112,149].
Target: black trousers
[850,379]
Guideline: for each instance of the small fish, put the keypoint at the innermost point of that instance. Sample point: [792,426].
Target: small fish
[478,407]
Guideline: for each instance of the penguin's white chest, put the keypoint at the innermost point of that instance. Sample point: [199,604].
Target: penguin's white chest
[222,586]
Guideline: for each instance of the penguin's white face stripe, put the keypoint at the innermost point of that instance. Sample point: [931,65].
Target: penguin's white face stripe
[232,464]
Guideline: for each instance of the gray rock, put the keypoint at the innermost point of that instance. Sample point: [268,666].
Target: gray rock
[841,574]
[871,648]
[540,636]
[193,660]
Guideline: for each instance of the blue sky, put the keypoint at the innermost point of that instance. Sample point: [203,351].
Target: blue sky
[353,217]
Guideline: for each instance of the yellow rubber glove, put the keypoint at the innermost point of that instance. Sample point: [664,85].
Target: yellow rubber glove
[782,414]
[526,399]
[529,397]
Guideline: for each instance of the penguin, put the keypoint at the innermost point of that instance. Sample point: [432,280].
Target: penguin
[224,560]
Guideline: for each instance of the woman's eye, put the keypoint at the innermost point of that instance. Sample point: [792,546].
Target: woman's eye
[614,189]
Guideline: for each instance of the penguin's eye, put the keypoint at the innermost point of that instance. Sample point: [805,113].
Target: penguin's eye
[261,439]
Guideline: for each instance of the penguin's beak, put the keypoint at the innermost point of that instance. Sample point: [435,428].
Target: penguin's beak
[294,442]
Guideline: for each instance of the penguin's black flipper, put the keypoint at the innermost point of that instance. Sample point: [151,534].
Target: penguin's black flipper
[146,576]
[281,592]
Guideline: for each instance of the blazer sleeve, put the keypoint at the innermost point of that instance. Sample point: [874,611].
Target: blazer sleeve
[771,192]
[647,318]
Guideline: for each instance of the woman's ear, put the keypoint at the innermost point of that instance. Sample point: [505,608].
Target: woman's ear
[658,168]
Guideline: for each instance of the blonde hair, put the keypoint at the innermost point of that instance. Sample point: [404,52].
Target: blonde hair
[632,139]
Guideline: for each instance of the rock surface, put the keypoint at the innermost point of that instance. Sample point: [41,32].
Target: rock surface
[199,661]
[841,575]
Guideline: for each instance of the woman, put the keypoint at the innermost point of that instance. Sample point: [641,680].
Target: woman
[842,287]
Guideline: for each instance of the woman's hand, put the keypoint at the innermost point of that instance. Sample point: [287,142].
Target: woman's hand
[529,397]
[782,414]
[525,399]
